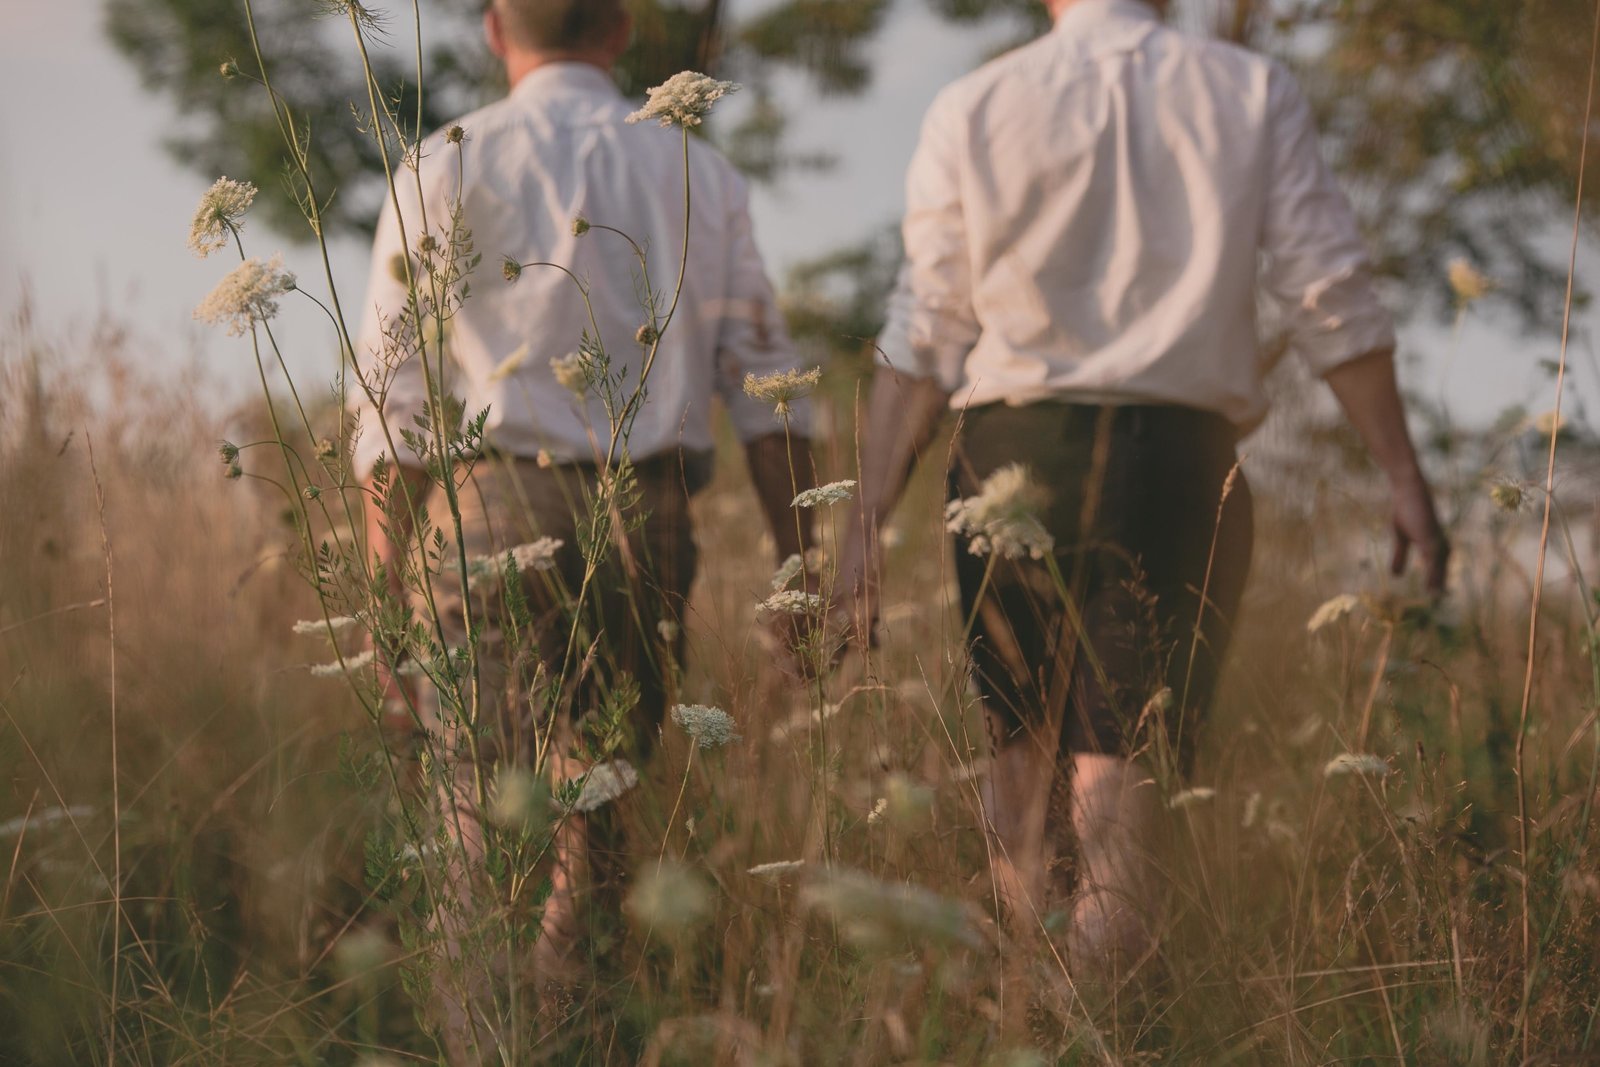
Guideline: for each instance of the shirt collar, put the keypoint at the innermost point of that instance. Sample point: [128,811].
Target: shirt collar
[1085,16]
[565,77]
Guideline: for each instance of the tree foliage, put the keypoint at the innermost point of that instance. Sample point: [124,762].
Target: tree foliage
[1456,124]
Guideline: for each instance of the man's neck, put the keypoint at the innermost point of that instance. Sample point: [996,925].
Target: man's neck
[521,64]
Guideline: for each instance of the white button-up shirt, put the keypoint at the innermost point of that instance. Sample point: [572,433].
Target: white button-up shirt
[556,148]
[1088,217]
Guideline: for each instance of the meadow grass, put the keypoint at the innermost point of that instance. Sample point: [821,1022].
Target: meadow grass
[1318,918]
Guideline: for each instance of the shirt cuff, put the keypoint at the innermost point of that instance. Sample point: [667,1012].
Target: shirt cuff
[1340,320]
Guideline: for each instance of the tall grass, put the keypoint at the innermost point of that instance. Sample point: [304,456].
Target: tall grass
[214,856]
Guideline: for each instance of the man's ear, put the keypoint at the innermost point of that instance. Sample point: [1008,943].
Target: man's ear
[494,31]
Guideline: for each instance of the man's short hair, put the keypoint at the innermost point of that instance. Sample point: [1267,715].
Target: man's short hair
[559,25]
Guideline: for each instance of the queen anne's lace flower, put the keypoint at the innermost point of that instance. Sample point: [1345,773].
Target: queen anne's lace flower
[351,663]
[1188,798]
[248,294]
[1331,611]
[879,914]
[781,388]
[538,555]
[571,373]
[683,99]
[788,572]
[318,627]
[1356,763]
[777,869]
[604,783]
[1003,517]
[710,727]
[790,602]
[823,495]
[218,214]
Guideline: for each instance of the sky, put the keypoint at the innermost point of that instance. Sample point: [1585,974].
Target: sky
[94,213]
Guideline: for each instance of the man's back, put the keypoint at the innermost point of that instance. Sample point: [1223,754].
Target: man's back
[557,148]
[1107,191]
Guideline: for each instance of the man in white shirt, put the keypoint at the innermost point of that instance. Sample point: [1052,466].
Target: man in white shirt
[1084,221]
[568,204]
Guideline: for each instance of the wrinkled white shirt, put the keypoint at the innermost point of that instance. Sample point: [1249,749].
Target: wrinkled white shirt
[557,147]
[1089,216]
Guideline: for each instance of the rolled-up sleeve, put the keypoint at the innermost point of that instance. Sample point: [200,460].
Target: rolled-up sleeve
[931,326]
[1317,266]
[751,337]
[385,348]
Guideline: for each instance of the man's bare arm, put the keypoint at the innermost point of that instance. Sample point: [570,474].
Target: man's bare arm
[1367,391]
[903,414]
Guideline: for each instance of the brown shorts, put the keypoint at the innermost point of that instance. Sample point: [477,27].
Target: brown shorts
[1141,527]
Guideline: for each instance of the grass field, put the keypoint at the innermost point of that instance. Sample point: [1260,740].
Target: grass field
[189,819]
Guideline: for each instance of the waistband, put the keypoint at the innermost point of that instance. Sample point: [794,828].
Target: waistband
[1135,418]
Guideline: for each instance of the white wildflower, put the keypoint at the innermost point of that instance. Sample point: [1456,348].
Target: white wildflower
[1252,809]
[804,719]
[40,820]
[668,630]
[351,663]
[790,602]
[571,373]
[876,914]
[878,808]
[248,294]
[1356,763]
[683,99]
[1190,797]
[538,555]
[1467,282]
[219,213]
[788,572]
[1331,611]
[338,624]
[511,364]
[781,388]
[670,898]
[777,869]
[1003,517]
[710,727]
[604,783]
[823,495]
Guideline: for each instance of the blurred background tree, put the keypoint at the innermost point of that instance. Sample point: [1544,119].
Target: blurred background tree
[1456,124]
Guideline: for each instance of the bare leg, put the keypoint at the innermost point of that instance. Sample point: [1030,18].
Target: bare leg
[1119,819]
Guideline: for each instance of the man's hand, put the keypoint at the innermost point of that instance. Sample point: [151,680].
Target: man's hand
[1366,389]
[1417,526]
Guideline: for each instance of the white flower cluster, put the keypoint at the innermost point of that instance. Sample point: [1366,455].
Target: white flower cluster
[572,373]
[1356,763]
[684,99]
[876,914]
[604,783]
[248,294]
[781,388]
[824,495]
[710,727]
[338,624]
[1467,282]
[537,555]
[790,602]
[1331,611]
[351,663]
[777,869]
[1003,517]
[788,572]
[218,214]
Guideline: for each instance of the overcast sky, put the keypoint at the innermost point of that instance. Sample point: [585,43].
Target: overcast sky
[94,213]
